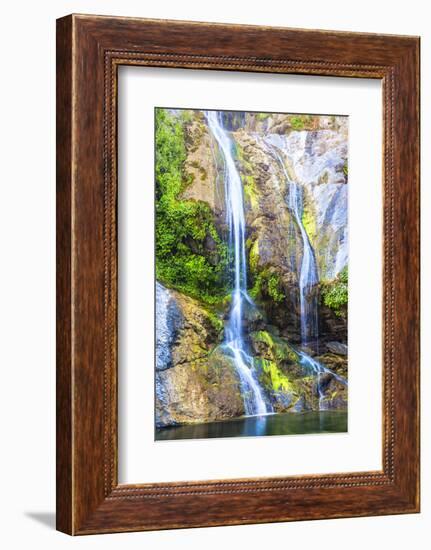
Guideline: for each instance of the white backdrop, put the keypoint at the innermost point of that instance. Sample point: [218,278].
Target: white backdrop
[27,116]
[141,458]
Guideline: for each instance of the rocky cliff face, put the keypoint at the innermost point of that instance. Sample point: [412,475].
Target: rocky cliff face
[317,161]
[196,380]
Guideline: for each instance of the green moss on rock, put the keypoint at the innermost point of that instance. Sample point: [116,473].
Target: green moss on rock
[250,191]
[272,377]
[300,122]
[345,169]
[274,347]
[309,223]
[203,390]
[253,257]
[262,116]
[267,284]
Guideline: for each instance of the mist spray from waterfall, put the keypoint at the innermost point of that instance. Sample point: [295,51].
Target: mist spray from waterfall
[252,393]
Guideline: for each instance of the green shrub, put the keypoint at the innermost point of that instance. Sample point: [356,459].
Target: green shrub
[267,284]
[262,116]
[346,169]
[184,228]
[335,293]
[298,122]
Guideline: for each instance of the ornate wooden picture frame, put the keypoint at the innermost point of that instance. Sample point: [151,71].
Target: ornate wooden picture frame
[89,51]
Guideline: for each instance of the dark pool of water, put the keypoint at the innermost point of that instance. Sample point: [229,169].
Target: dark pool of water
[274,424]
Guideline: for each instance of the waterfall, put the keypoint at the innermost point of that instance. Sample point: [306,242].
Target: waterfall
[254,402]
[316,368]
[308,276]
[308,281]
[163,332]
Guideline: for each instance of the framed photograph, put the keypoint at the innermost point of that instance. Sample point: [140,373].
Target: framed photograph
[251,215]
[237,274]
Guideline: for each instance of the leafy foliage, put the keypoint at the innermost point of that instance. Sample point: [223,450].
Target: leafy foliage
[262,116]
[298,122]
[345,169]
[267,284]
[266,281]
[190,256]
[335,293]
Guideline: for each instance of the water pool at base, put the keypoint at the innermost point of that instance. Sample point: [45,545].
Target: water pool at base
[313,422]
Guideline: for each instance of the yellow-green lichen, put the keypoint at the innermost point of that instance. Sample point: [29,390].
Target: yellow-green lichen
[250,191]
[262,116]
[309,223]
[299,122]
[254,256]
[345,169]
[274,377]
[279,349]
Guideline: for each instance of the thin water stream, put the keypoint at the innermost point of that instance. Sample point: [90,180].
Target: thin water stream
[254,401]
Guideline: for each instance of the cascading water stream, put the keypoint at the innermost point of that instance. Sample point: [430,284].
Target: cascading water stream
[313,366]
[234,339]
[308,277]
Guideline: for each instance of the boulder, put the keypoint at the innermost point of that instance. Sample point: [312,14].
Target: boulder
[337,347]
[205,390]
